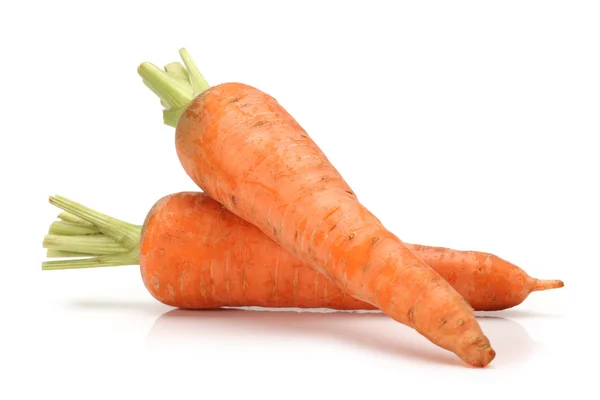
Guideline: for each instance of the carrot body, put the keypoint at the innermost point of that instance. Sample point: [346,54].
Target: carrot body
[247,152]
[195,254]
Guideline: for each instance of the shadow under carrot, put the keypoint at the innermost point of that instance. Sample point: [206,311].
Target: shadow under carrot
[370,330]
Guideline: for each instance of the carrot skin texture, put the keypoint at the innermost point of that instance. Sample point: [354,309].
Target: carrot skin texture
[486,281]
[194,254]
[186,235]
[246,151]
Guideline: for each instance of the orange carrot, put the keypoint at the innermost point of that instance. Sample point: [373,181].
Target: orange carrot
[194,254]
[243,149]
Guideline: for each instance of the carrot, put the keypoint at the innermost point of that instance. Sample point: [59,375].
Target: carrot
[242,148]
[194,254]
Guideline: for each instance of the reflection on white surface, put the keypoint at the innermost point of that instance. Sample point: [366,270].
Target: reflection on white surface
[136,307]
[368,331]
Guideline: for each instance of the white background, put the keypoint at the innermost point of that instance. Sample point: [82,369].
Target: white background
[466,124]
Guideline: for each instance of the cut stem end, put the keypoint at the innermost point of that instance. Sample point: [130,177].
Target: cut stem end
[176,86]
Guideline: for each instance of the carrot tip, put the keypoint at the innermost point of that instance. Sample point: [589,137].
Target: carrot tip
[489,356]
[480,358]
[545,284]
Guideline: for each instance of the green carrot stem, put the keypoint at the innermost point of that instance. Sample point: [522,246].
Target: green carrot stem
[198,82]
[122,232]
[67,254]
[155,91]
[171,116]
[72,228]
[175,92]
[118,244]
[83,244]
[178,71]
[176,86]
[130,258]
[68,217]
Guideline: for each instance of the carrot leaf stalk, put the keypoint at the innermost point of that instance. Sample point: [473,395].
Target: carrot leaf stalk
[115,242]
[197,81]
[177,71]
[176,85]
[67,254]
[83,244]
[68,217]
[72,228]
[121,231]
[92,262]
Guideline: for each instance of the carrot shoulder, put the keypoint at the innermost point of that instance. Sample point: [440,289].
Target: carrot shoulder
[242,148]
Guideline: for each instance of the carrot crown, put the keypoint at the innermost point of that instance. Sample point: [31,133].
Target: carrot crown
[89,239]
[176,86]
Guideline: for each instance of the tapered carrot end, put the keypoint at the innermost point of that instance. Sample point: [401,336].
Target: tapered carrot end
[545,284]
[476,349]
[488,355]
[480,357]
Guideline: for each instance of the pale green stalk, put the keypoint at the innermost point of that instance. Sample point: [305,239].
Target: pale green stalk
[197,81]
[94,262]
[122,232]
[175,92]
[176,86]
[72,228]
[171,116]
[68,217]
[178,71]
[67,254]
[83,244]
[117,244]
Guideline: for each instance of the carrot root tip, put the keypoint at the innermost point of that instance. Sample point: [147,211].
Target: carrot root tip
[546,284]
